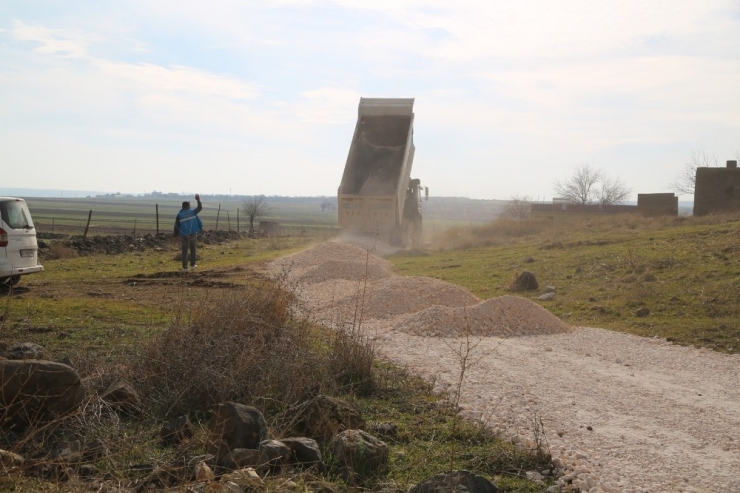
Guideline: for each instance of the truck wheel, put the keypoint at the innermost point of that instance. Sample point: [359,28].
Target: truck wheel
[11,281]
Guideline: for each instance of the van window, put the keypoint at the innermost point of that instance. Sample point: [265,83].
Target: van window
[15,214]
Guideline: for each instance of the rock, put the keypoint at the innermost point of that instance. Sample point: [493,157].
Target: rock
[526,281]
[86,470]
[184,466]
[550,289]
[534,476]
[384,429]
[231,487]
[235,426]
[240,458]
[274,455]
[203,472]
[177,431]
[529,260]
[326,416]
[26,350]
[121,396]
[35,390]
[547,296]
[361,452]
[321,487]
[455,482]
[245,478]
[642,312]
[305,452]
[9,460]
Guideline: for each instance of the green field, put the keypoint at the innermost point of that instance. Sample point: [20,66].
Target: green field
[126,215]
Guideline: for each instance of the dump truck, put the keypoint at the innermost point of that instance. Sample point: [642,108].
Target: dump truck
[377,196]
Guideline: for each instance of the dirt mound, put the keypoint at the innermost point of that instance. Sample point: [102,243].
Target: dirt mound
[505,316]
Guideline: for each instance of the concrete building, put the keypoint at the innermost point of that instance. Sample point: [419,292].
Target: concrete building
[717,189]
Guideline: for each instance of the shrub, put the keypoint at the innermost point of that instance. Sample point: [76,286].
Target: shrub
[244,346]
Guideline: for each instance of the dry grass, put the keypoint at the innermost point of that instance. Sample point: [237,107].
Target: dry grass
[61,251]
[501,230]
[246,346]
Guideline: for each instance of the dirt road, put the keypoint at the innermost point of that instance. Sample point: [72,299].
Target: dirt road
[620,413]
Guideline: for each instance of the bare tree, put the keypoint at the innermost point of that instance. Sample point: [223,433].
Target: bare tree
[612,191]
[685,182]
[580,187]
[518,207]
[588,185]
[254,207]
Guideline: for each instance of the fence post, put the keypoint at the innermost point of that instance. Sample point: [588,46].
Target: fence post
[156,206]
[228,220]
[218,213]
[87,226]
[237,219]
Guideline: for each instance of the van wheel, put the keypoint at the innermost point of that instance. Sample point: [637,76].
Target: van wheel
[11,281]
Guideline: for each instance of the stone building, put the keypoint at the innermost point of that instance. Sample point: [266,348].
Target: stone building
[717,189]
[657,204]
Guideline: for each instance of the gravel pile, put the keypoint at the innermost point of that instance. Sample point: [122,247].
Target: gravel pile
[339,280]
[506,316]
[400,295]
[332,260]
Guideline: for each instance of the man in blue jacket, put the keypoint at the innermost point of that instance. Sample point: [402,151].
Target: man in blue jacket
[187,226]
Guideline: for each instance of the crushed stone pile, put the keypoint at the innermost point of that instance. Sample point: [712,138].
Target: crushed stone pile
[337,269]
[338,281]
[505,316]
[399,295]
[332,260]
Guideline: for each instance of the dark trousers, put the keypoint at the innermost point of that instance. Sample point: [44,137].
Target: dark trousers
[188,242]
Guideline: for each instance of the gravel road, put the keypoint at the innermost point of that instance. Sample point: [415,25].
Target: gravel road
[621,413]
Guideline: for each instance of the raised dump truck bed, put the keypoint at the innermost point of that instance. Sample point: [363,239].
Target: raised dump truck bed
[376,177]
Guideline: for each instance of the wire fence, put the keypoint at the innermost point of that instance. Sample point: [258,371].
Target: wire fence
[162,220]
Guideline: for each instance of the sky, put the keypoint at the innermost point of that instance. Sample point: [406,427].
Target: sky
[250,97]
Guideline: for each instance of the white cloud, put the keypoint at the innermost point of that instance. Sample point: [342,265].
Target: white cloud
[178,79]
[52,41]
[327,105]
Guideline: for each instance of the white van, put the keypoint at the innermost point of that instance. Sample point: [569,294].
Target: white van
[18,246]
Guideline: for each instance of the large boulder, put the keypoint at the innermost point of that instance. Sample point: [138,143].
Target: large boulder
[326,416]
[240,458]
[359,454]
[35,391]
[455,482]
[305,452]
[234,426]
